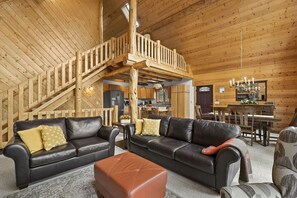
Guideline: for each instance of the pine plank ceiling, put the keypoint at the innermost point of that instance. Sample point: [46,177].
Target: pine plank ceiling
[207,32]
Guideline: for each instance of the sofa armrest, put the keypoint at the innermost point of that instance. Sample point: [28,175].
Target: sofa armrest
[130,129]
[19,152]
[109,134]
[227,164]
[251,190]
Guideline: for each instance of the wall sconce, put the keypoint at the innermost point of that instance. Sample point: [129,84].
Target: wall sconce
[89,90]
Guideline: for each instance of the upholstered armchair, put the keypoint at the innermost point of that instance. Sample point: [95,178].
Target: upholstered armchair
[284,172]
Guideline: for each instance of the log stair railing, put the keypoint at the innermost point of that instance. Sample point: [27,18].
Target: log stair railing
[41,91]
[108,114]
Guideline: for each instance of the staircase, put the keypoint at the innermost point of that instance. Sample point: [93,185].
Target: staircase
[40,95]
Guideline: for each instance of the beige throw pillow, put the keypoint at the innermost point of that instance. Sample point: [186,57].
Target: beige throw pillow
[138,126]
[32,139]
[52,136]
[151,127]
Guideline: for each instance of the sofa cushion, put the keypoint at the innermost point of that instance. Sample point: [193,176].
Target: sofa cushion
[180,129]
[191,156]
[163,124]
[212,133]
[166,146]
[142,141]
[83,127]
[56,154]
[89,145]
[23,125]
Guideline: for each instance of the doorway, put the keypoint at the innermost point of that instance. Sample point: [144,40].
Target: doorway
[204,96]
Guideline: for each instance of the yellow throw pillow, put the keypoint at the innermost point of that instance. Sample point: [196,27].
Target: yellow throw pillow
[138,126]
[151,127]
[52,136]
[32,139]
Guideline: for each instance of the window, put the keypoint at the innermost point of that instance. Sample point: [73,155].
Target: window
[204,89]
[162,95]
[126,10]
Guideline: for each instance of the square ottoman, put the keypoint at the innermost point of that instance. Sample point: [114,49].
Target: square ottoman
[128,175]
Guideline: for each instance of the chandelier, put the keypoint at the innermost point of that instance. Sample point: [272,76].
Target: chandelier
[244,84]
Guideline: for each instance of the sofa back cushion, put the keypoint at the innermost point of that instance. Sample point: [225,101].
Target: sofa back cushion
[163,124]
[180,129]
[212,133]
[83,127]
[24,125]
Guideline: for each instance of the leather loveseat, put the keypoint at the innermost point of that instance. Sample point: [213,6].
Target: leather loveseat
[179,146]
[87,142]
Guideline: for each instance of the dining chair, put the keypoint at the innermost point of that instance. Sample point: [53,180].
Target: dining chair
[144,112]
[220,114]
[198,112]
[244,117]
[155,111]
[169,111]
[273,130]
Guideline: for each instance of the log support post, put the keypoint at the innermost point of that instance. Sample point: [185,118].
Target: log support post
[100,21]
[132,26]
[78,85]
[133,81]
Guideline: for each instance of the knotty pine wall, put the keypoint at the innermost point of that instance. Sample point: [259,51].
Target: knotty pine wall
[36,35]
[207,33]
[90,99]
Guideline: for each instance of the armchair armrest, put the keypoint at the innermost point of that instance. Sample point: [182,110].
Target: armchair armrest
[18,151]
[227,164]
[109,134]
[251,190]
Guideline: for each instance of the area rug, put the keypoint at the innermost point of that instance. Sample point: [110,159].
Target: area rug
[78,183]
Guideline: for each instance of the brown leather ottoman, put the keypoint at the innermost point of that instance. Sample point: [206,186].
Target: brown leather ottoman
[128,175]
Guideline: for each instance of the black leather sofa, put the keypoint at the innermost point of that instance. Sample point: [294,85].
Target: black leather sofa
[87,142]
[179,146]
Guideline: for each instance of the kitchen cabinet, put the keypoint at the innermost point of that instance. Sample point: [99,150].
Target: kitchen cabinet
[145,93]
[180,101]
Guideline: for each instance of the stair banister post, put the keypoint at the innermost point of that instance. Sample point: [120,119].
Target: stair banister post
[174,59]
[1,109]
[78,84]
[132,26]
[9,113]
[115,116]
[113,47]
[158,51]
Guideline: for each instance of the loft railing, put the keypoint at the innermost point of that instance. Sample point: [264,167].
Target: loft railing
[154,51]
[38,90]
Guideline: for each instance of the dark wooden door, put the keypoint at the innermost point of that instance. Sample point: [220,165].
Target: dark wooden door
[204,96]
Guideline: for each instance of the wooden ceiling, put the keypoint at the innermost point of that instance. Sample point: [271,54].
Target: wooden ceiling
[36,35]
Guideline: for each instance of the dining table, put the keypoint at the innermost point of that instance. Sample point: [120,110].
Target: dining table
[264,120]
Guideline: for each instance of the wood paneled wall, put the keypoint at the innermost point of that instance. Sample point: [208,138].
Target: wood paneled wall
[36,35]
[207,33]
[90,98]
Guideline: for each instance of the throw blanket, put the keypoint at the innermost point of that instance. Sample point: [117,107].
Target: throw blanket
[245,164]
